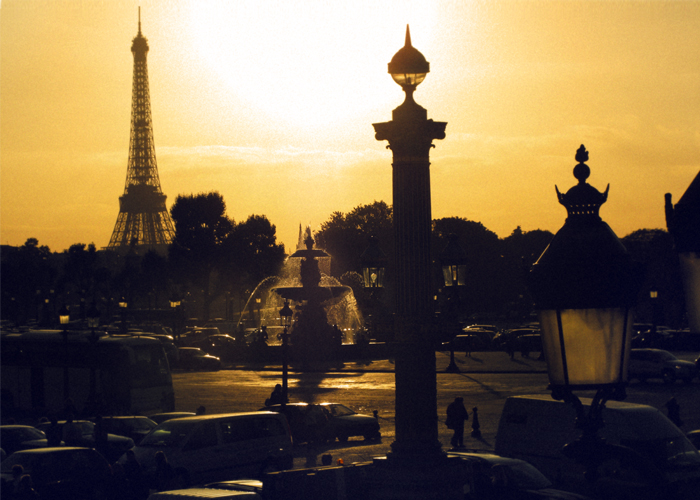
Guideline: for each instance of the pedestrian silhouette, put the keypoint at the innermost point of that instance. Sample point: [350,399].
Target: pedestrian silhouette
[136,483]
[165,474]
[53,433]
[100,436]
[674,411]
[25,489]
[456,416]
[71,432]
[276,397]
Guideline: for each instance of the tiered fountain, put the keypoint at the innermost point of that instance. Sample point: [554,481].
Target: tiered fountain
[319,301]
[312,338]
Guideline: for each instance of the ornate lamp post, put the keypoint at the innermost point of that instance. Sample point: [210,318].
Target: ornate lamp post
[286,315]
[416,462]
[454,269]
[683,222]
[584,286]
[93,321]
[373,261]
[64,319]
[175,308]
[122,307]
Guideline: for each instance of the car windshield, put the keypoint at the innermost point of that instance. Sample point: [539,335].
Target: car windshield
[171,433]
[22,434]
[525,476]
[666,356]
[338,410]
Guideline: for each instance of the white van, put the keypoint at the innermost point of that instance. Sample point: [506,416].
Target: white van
[219,447]
[535,428]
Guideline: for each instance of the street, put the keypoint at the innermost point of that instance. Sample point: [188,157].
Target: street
[373,389]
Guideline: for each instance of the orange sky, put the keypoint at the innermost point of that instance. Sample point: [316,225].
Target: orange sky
[271,104]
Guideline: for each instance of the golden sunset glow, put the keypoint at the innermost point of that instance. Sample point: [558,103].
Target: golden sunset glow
[271,103]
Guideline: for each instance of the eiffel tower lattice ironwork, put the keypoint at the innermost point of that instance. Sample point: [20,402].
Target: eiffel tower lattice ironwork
[144,222]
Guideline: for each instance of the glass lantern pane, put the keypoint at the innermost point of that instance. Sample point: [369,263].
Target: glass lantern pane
[447,275]
[461,273]
[408,78]
[373,277]
[593,345]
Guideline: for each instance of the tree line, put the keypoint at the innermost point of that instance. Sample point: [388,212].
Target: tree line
[214,263]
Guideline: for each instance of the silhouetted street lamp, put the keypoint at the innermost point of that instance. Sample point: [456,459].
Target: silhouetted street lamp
[416,455]
[453,260]
[64,319]
[286,315]
[373,261]
[584,287]
[175,308]
[122,307]
[93,321]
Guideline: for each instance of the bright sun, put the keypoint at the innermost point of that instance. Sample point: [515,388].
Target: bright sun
[310,63]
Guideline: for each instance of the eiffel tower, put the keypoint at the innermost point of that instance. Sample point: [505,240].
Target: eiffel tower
[144,222]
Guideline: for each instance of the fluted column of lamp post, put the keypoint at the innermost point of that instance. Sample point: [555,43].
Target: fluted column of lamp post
[416,467]
[410,135]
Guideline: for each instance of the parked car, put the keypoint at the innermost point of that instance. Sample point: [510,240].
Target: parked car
[506,340]
[493,476]
[224,347]
[168,345]
[21,437]
[657,363]
[62,472]
[218,447]
[159,418]
[116,445]
[193,358]
[340,422]
[468,342]
[489,328]
[133,426]
[196,334]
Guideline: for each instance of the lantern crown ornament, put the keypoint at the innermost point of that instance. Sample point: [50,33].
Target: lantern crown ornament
[584,286]
[585,265]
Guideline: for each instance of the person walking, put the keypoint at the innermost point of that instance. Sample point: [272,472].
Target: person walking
[457,414]
[277,397]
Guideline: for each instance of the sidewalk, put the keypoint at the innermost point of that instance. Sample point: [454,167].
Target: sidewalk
[478,362]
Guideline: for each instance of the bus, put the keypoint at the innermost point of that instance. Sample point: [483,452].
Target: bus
[45,371]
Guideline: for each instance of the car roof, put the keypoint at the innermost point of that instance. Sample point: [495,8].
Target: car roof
[53,449]
[215,416]
[489,458]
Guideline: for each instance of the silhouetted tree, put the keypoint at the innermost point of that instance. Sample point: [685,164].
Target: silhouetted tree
[345,237]
[198,252]
[25,278]
[254,251]
[483,252]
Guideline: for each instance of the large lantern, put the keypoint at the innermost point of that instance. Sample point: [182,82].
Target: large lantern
[373,262]
[454,263]
[584,287]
